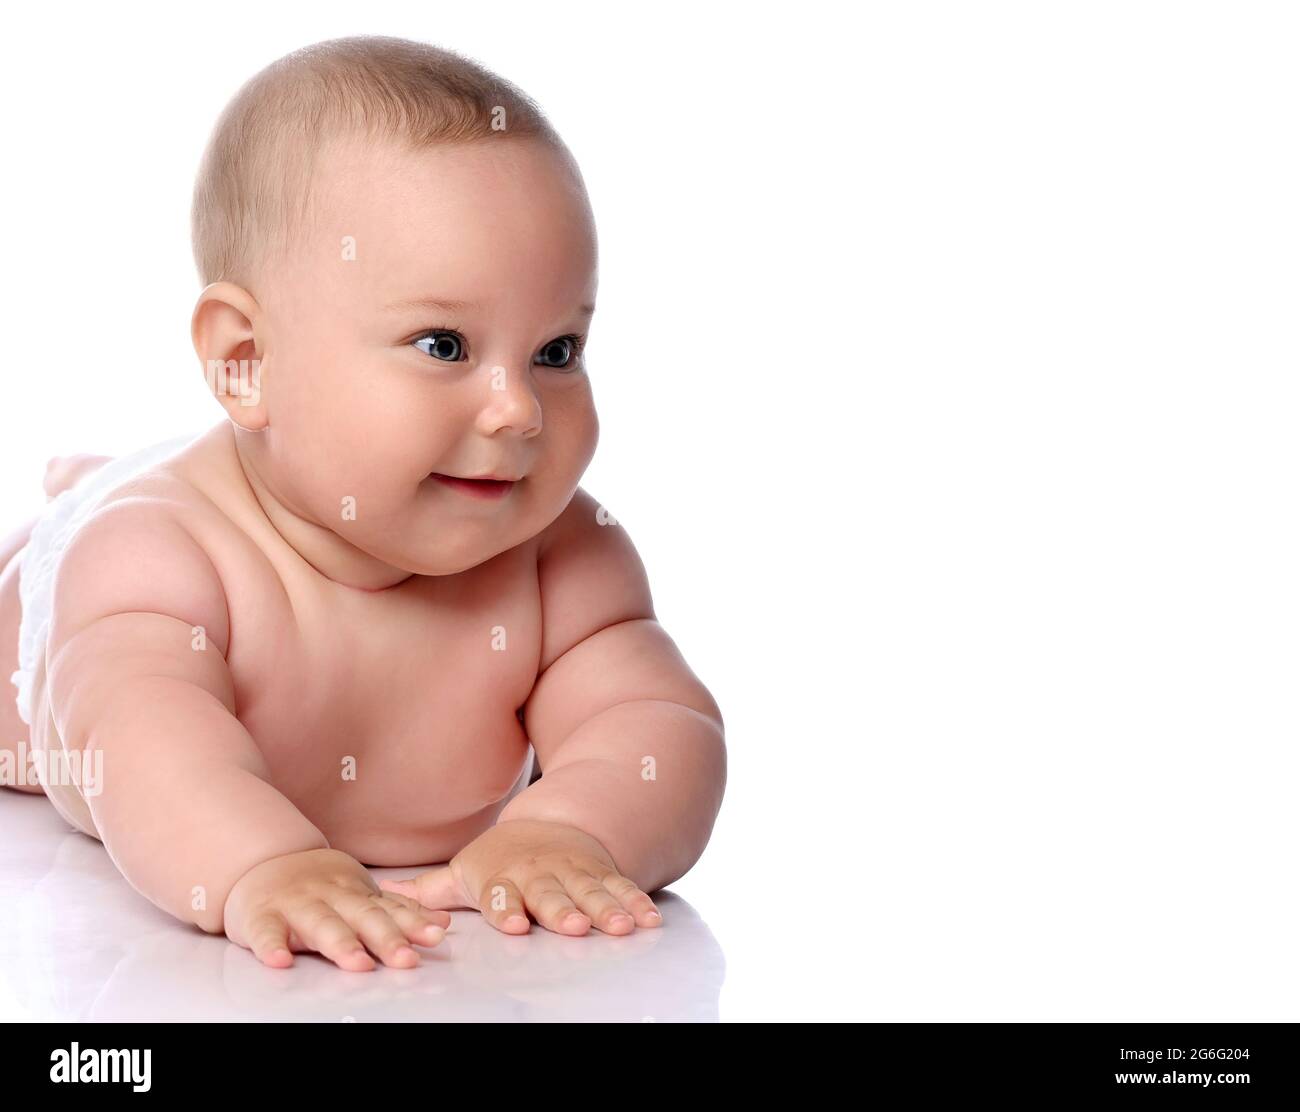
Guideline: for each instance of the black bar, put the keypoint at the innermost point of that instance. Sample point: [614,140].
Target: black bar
[1051,1061]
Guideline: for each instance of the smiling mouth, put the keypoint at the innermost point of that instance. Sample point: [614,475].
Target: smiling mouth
[478,488]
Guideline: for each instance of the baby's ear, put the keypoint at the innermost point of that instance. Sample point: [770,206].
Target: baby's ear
[225,342]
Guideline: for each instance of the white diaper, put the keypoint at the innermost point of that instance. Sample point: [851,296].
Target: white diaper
[55,528]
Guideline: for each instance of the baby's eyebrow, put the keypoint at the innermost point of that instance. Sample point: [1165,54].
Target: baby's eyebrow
[446,305]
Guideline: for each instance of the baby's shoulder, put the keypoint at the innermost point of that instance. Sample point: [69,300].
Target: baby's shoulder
[157,513]
[142,506]
[580,525]
[141,549]
[590,575]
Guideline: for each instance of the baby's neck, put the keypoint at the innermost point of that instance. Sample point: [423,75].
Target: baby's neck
[322,548]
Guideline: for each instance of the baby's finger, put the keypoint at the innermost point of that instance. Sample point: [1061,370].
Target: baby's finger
[381,934]
[638,904]
[429,915]
[416,923]
[319,927]
[596,902]
[437,918]
[268,938]
[435,889]
[503,906]
[551,906]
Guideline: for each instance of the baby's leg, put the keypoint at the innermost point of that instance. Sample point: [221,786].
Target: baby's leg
[61,472]
[12,728]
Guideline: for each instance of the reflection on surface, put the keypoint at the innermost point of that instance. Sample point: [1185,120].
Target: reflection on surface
[80,943]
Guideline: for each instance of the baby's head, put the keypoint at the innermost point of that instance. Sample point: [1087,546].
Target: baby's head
[405,247]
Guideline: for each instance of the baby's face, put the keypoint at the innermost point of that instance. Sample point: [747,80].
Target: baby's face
[430,329]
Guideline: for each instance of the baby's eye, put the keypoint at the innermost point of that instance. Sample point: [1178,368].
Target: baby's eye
[560,351]
[447,346]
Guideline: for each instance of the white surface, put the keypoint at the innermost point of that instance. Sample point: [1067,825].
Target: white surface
[946,359]
[79,944]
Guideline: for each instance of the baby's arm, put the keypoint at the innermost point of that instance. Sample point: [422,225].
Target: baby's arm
[631,749]
[629,740]
[137,671]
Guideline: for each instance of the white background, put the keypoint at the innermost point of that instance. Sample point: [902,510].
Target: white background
[946,364]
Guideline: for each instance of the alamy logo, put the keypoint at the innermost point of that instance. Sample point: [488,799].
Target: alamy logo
[241,378]
[103,1065]
[65,768]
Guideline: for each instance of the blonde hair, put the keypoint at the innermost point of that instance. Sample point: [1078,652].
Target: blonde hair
[254,182]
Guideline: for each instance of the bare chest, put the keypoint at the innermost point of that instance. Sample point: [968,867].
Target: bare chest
[390,718]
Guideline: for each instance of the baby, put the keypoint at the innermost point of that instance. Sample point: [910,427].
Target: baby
[334,630]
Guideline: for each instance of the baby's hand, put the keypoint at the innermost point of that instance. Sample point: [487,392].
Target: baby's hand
[326,901]
[561,875]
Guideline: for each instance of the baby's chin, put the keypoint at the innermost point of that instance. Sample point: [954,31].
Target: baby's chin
[447,531]
[452,552]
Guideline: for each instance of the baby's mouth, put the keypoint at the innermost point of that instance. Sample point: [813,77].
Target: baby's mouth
[477,488]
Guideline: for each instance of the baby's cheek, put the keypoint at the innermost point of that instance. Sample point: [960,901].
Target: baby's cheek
[543,503]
